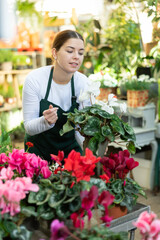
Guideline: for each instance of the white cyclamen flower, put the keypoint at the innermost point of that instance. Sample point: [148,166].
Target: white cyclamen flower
[94,88]
[112,100]
[84,95]
[108,109]
[123,107]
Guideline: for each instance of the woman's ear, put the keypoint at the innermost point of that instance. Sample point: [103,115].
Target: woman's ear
[54,53]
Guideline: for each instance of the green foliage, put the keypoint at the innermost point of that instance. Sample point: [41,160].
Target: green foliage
[27,8]
[101,232]
[18,132]
[21,61]
[55,198]
[151,8]
[8,91]
[96,125]
[123,38]
[10,229]
[126,194]
[134,84]
[94,51]
[5,142]
[5,55]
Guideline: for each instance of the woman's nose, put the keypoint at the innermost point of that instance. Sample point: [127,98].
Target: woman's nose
[76,55]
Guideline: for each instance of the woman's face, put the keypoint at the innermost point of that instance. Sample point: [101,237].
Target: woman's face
[70,56]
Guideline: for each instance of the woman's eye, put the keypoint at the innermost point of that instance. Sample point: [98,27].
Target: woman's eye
[69,51]
[80,53]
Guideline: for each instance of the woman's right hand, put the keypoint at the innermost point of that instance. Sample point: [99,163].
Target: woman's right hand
[51,114]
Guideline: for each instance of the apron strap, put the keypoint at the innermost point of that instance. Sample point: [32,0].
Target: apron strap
[74,98]
[49,84]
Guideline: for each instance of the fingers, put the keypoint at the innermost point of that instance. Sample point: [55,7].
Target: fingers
[51,114]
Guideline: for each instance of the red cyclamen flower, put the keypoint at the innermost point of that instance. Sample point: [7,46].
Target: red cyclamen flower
[29,144]
[58,158]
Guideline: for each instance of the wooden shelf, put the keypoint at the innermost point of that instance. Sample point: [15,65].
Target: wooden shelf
[9,107]
[14,73]
[25,71]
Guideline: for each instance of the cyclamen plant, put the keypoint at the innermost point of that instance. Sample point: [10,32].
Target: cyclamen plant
[25,164]
[99,122]
[12,192]
[89,200]
[149,226]
[116,167]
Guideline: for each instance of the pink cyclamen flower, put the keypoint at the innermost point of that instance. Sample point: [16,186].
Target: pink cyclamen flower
[155,228]
[58,230]
[148,225]
[6,173]
[46,172]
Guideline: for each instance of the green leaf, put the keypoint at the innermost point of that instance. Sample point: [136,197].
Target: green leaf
[101,185]
[92,126]
[9,226]
[67,180]
[59,187]
[75,205]
[117,127]
[67,127]
[93,145]
[56,199]
[118,198]
[128,128]
[43,196]
[74,191]
[80,119]
[45,212]
[21,233]
[45,182]
[32,197]
[131,147]
[63,211]
[48,215]
[28,211]
[117,186]
[107,132]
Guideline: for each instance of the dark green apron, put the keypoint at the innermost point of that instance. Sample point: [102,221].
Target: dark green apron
[50,142]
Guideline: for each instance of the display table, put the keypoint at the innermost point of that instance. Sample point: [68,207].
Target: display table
[125,223]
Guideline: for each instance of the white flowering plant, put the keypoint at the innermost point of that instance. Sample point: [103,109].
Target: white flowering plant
[138,83]
[99,122]
[105,77]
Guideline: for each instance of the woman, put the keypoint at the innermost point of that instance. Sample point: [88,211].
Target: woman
[51,91]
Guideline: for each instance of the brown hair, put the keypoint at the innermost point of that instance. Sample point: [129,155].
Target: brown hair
[63,36]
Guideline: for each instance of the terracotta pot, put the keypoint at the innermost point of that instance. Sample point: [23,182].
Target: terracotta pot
[117,211]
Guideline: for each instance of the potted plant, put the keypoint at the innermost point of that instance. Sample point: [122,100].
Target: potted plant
[108,82]
[9,95]
[65,193]
[98,123]
[117,167]
[6,59]
[138,90]
[21,62]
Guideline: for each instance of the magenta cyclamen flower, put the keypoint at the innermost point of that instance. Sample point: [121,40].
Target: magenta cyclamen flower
[118,165]
[58,230]
[88,198]
[28,164]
